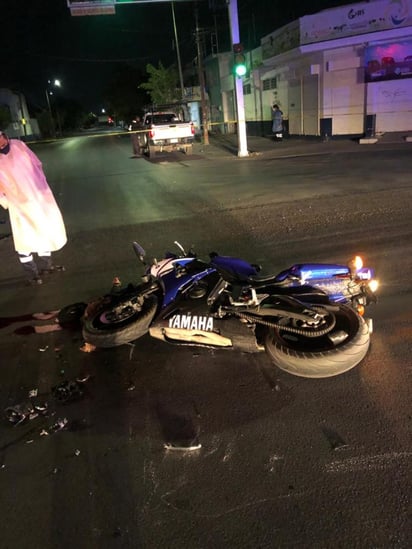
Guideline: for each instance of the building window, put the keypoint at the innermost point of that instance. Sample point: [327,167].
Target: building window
[270,83]
[247,89]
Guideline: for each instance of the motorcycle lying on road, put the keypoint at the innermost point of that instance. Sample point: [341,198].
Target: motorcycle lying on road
[308,318]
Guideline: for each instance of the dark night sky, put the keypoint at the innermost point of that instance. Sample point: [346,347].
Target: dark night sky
[41,40]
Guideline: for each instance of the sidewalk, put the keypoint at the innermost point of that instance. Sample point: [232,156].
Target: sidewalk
[226,146]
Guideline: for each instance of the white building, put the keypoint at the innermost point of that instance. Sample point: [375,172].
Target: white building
[343,71]
[21,124]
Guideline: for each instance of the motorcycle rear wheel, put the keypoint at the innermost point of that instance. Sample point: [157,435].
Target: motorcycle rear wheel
[319,357]
[99,331]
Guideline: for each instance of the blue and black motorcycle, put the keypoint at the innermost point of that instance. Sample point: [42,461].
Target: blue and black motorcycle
[308,318]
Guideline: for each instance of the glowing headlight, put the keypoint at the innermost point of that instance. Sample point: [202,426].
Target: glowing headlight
[358,262]
[373,285]
[355,265]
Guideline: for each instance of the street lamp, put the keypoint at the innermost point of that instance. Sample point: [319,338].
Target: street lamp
[56,82]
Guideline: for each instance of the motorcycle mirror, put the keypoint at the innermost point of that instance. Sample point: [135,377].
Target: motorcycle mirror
[180,247]
[139,251]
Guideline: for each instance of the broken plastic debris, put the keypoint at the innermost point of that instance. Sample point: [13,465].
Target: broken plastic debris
[183,446]
[60,424]
[88,347]
[42,408]
[77,452]
[28,410]
[43,349]
[83,378]
[132,347]
[68,391]
[44,433]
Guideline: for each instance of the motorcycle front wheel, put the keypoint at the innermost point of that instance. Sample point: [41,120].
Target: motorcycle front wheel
[118,322]
[326,356]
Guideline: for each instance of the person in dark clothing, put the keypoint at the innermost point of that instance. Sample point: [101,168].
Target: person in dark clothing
[136,125]
[277,122]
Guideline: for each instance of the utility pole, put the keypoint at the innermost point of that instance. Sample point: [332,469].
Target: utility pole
[240,105]
[201,81]
[179,63]
[52,127]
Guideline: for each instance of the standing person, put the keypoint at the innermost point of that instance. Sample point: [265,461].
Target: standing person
[36,222]
[277,121]
[135,126]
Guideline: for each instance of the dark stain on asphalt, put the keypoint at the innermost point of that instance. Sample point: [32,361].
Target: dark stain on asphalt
[335,441]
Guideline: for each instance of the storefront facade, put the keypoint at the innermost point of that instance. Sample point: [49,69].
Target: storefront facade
[344,71]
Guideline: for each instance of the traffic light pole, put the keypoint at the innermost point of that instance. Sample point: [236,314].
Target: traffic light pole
[240,105]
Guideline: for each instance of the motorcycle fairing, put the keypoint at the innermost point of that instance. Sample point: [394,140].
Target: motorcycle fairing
[190,322]
[233,269]
[330,278]
[313,271]
[177,275]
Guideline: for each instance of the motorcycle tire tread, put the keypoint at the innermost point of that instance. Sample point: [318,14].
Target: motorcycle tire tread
[123,335]
[321,364]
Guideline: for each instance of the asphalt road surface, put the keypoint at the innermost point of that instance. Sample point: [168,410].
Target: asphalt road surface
[284,461]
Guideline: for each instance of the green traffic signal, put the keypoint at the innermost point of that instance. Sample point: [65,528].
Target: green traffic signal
[240,68]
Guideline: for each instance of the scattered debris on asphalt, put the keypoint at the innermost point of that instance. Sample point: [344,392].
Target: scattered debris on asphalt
[59,425]
[183,446]
[25,411]
[87,348]
[83,378]
[68,391]
[132,348]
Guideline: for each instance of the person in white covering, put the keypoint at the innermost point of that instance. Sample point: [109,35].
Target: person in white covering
[36,221]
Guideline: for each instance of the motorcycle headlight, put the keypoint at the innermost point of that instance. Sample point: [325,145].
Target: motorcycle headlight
[373,285]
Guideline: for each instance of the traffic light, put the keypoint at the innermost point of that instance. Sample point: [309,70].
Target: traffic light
[239,66]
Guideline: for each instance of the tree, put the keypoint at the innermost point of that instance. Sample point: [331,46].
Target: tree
[162,85]
[123,96]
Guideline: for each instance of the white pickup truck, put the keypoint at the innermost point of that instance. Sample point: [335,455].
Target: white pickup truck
[164,131]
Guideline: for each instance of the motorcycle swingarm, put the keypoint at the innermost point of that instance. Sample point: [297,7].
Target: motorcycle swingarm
[291,308]
[305,315]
